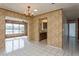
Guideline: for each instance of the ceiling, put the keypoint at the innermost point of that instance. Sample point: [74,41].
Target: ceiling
[68,8]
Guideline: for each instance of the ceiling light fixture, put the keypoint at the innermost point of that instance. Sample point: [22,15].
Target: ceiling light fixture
[28,12]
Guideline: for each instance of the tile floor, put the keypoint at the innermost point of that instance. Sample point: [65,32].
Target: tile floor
[71,46]
[21,46]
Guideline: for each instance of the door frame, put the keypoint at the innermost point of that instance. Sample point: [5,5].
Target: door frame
[76,27]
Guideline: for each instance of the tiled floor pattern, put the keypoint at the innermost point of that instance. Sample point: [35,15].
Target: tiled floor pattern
[71,46]
[21,46]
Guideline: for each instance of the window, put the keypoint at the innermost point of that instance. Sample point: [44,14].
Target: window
[9,28]
[16,28]
[21,28]
[12,28]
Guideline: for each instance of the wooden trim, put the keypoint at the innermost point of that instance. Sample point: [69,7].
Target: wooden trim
[14,35]
[71,21]
[15,22]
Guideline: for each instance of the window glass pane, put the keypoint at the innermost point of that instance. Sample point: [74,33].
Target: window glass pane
[22,28]
[9,28]
[12,28]
[16,28]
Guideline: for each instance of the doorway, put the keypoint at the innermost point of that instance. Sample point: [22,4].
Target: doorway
[43,30]
[71,44]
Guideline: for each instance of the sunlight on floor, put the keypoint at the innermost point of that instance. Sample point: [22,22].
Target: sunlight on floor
[15,43]
[22,46]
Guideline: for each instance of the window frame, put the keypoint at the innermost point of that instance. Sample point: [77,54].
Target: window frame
[15,34]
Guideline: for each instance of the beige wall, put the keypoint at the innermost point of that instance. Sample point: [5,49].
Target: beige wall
[54,26]
[54,30]
[3,14]
[2,32]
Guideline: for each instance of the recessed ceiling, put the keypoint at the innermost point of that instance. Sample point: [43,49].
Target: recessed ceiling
[41,7]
